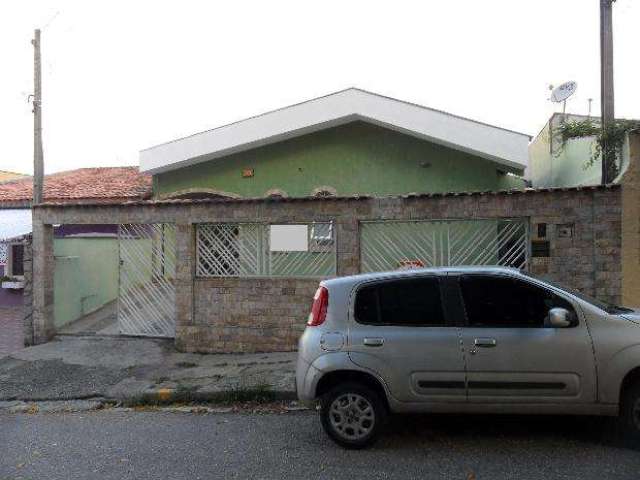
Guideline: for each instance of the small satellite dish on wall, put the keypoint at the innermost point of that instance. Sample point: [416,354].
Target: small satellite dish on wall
[564,91]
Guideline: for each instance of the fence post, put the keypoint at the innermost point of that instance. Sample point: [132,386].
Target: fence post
[27,295]
[347,247]
[185,267]
[42,284]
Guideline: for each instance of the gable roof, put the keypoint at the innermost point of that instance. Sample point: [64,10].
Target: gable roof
[500,145]
[108,184]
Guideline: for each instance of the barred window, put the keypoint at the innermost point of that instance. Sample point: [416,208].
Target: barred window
[255,249]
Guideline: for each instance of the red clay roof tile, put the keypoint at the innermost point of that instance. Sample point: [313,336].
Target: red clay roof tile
[108,184]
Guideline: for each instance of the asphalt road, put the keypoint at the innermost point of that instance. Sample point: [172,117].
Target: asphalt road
[115,444]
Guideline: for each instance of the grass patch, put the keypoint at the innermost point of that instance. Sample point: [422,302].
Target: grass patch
[259,394]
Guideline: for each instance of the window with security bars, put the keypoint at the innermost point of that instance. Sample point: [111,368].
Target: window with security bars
[396,245]
[256,249]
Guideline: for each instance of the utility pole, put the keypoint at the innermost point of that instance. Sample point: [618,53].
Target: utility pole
[606,84]
[38,162]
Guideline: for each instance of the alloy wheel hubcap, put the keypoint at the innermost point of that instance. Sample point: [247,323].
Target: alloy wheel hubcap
[352,416]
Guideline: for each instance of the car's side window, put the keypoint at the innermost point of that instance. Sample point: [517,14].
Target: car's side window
[405,302]
[500,301]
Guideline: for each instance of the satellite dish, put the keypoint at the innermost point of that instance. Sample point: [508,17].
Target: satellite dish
[564,91]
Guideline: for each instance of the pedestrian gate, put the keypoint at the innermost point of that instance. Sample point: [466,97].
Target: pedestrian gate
[392,245]
[146,297]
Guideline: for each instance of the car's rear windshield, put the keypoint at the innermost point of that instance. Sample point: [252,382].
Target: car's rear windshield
[607,307]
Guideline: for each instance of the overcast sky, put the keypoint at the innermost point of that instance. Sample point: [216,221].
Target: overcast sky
[120,76]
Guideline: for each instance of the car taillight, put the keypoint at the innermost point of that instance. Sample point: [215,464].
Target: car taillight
[319,309]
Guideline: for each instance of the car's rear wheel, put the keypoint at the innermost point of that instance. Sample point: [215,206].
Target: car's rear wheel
[630,414]
[352,415]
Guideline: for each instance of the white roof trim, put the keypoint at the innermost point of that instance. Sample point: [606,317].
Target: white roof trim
[502,146]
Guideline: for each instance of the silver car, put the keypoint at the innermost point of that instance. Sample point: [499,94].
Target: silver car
[489,340]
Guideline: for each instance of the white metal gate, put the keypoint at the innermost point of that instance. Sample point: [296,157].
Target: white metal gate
[146,298]
[392,245]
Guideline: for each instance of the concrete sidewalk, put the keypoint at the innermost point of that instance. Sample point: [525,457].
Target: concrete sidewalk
[137,370]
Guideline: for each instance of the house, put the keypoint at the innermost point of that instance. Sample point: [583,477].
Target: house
[571,161]
[6,176]
[352,142]
[244,220]
[86,256]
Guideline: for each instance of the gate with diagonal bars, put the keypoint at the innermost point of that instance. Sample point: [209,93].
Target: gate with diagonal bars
[146,297]
[392,245]
[251,249]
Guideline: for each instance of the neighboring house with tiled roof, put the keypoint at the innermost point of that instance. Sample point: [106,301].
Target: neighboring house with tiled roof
[79,288]
[6,176]
[105,184]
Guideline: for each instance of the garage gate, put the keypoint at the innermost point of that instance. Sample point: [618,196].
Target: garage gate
[392,245]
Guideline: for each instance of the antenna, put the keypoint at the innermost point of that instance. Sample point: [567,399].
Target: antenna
[562,92]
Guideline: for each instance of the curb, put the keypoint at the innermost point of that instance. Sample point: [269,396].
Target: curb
[51,406]
[158,396]
[164,396]
[163,399]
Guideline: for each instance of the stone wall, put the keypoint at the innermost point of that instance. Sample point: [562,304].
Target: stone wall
[247,314]
[583,228]
[583,231]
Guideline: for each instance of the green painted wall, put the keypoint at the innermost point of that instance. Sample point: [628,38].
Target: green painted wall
[86,276]
[569,167]
[358,158]
[553,164]
[540,158]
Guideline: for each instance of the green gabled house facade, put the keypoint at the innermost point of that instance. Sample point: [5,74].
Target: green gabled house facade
[349,143]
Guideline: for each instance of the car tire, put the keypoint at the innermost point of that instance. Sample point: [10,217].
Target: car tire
[629,419]
[352,415]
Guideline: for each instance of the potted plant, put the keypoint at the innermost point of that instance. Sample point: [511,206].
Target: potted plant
[13,283]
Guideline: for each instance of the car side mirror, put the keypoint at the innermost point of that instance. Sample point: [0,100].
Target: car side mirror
[558,318]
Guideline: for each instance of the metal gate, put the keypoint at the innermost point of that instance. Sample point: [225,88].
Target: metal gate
[146,298]
[393,245]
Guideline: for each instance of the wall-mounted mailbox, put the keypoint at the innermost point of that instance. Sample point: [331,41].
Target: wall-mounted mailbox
[540,248]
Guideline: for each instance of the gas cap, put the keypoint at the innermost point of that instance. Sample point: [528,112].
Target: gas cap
[332,341]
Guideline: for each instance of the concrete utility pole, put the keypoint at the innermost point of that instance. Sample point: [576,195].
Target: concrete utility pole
[38,161]
[606,81]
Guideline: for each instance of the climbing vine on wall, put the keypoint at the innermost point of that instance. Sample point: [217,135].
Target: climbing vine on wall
[612,139]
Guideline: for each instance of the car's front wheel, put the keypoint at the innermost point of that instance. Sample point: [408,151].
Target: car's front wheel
[352,415]
[630,414]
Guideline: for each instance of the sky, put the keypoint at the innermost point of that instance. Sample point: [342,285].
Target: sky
[121,76]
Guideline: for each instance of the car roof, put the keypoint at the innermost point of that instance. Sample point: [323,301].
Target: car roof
[418,272]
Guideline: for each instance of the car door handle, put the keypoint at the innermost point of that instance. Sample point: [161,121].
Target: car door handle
[485,342]
[373,342]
